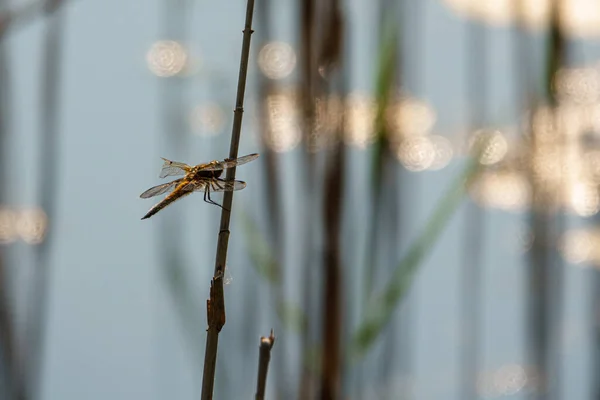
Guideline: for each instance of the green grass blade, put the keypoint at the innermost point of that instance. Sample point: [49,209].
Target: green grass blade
[380,310]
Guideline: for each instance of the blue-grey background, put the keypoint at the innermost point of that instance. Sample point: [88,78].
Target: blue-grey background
[113,331]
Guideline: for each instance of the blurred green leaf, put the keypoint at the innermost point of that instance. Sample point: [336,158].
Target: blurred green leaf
[384,87]
[385,80]
[292,316]
[380,310]
[263,259]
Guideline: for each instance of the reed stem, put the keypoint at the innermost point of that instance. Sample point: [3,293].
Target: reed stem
[215,307]
[264,356]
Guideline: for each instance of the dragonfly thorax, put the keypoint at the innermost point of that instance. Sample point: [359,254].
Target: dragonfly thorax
[207,174]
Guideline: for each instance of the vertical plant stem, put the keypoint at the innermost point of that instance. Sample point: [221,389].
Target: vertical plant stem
[215,307]
[543,275]
[12,385]
[332,288]
[472,264]
[264,356]
[273,204]
[49,153]
[330,56]
[306,91]
[269,156]
[557,58]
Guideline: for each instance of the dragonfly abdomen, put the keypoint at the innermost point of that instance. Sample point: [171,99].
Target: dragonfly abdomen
[174,196]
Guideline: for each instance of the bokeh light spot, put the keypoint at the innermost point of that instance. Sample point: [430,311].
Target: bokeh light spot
[8,231]
[207,119]
[502,190]
[409,117]
[416,153]
[284,131]
[585,200]
[32,225]
[577,17]
[577,85]
[577,246]
[277,60]
[359,120]
[166,58]
[492,146]
[443,152]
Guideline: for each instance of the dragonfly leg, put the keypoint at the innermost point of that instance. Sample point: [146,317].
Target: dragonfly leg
[215,184]
[205,193]
[207,198]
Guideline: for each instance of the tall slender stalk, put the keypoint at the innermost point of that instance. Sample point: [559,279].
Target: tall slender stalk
[215,306]
[471,269]
[330,56]
[544,272]
[49,145]
[332,278]
[12,384]
[306,91]
[264,356]
[273,204]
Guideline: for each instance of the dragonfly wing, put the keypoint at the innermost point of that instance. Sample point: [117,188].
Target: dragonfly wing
[227,163]
[219,185]
[195,186]
[173,168]
[160,189]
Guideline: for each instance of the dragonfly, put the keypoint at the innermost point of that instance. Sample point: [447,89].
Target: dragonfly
[199,178]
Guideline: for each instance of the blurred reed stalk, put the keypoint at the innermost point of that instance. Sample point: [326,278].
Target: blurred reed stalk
[264,356]
[307,70]
[332,276]
[404,24]
[322,33]
[12,383]
[52,50]
[526,100]
[382,159]
[384,228]
[273,207]
[544,274]
[215,306]
[20,15]
[387,194]
[266,87]
[474,234]
[557,59]
[330,59]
